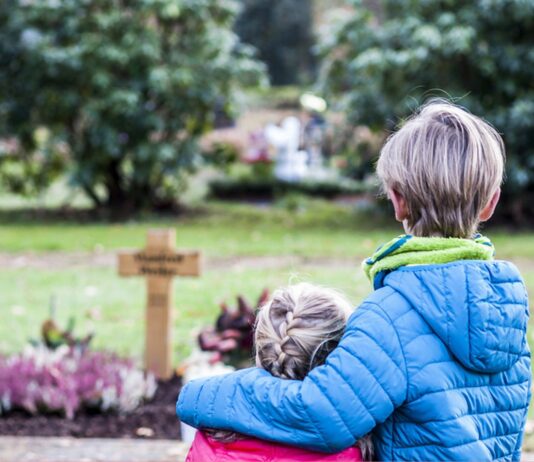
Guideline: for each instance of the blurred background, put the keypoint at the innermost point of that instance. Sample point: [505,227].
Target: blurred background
[251,127]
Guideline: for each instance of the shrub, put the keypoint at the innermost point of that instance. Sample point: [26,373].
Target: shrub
[269,188]
[478,53]
[281,30]
[125,88]
[355,149]
[66,381]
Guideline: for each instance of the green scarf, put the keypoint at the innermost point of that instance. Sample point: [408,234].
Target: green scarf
[410,250]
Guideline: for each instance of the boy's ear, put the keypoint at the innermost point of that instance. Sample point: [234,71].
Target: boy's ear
[487,212]
[399,204]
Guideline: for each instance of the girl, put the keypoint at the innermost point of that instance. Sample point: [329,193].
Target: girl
[295,331]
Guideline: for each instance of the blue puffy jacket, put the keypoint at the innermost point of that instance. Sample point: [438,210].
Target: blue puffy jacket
[436,359]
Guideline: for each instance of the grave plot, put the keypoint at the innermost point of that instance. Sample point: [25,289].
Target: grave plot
[155,419]
[64,388]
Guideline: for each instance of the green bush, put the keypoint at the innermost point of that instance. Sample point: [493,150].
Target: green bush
[479,54]
[269,188]
[125,88]
[281,30]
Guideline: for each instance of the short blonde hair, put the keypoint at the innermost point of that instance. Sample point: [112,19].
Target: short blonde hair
[298,328]
[447,164]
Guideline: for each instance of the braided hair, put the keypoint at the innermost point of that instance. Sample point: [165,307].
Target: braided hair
[298,328]
[295,332]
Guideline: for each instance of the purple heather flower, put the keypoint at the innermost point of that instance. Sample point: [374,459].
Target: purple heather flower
[67,380]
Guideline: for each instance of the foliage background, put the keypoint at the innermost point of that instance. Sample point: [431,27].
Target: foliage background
[282,32]
[381,65]
[118,92]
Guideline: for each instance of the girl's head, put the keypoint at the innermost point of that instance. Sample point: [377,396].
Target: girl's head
[298,328]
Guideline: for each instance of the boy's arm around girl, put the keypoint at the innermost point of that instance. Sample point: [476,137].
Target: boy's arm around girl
[436,359]
[362,382]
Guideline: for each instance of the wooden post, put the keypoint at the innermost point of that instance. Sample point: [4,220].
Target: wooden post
[159,262]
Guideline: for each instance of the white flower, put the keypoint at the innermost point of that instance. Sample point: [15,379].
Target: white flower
[109,398]
[90,291]
[151,386]
[132,389]
[5,402]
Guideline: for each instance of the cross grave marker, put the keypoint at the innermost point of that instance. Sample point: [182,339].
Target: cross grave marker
[160,262]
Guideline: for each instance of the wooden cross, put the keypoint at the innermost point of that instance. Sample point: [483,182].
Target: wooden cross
[159,262]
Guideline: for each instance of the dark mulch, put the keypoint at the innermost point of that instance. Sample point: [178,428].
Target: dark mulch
[158,415]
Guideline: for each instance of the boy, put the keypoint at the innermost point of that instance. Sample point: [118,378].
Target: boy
[436,359]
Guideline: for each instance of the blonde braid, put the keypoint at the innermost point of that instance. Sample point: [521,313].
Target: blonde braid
[281,344]
[298,328]
[296,331]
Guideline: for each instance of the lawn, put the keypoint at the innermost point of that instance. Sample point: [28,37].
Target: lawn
[247,249]
[117,305]
[315,229]
[311,228]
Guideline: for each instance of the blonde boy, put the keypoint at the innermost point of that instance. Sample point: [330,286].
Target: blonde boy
[435,361]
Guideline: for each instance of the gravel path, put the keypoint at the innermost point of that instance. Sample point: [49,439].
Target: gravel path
[100,450]
[90,450]
[61,260]
[70,260]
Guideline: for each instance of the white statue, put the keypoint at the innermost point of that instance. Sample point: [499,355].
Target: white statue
[291,163]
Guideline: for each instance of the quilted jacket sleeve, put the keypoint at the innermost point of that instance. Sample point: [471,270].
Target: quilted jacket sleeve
[361,383]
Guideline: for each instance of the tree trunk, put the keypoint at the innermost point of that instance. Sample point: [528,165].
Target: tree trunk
[92,195]
[118,201]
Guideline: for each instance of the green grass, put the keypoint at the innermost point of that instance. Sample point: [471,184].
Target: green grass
[316,229]
[120,302]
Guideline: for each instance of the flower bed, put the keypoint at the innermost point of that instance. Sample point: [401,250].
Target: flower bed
[68,380]
[155,419]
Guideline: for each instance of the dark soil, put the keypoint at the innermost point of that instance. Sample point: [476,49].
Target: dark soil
[158,416]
